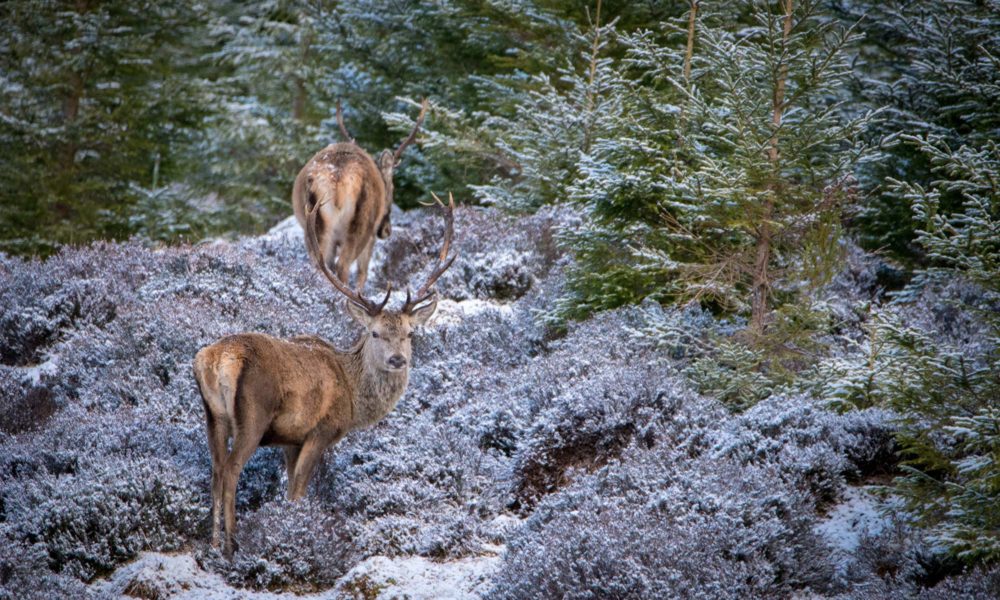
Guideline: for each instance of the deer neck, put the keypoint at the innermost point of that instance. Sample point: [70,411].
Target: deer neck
[378,390]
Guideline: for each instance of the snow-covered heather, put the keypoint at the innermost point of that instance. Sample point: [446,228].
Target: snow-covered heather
[521,463]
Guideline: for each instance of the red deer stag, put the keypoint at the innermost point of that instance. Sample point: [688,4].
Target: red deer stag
[302,393]
[355,196]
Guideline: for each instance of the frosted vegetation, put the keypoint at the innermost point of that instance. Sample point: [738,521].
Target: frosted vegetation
[590,456]
[725,321]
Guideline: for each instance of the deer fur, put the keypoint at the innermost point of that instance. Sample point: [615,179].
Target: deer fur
[302,393]
[356,196]
[349,187]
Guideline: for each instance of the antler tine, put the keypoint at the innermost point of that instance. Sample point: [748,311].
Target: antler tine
[388,292]
[413,134]
[340,122]
[441,265]
[312,245]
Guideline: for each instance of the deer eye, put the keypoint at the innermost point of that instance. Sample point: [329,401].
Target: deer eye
[375,334]
[409,335]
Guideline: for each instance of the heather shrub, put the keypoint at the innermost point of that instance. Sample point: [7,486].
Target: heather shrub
[297,546]
[25,573]
[584,427]
[699,505]
[630,483]
[24,405]
[104,513]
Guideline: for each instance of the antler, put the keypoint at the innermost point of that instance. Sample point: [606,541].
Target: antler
[312,244]
[413,134]
[340,122]
[441,265]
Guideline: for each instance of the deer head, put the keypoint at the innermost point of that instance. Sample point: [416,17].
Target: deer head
[387,160]
[389,332]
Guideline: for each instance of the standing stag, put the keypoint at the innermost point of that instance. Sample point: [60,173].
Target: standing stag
[355,196]
[302,393]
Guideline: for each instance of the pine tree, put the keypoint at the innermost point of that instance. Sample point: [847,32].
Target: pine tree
[555,121]
[949,399]
[95,96]
[269,101]
[727,185]
[935,65]
[288,63]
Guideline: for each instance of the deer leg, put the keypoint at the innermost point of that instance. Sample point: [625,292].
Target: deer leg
[363,259]
[312,451]
[344,268]
[330,256]
[291,458]
[245,443]
[218,432]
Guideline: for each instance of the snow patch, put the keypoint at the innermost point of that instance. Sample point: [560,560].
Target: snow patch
[34,373]
[178,576]
[450,312]
[416,578]
[157,575]
[854,517]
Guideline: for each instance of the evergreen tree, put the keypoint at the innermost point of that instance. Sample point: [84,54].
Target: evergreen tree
[269,102]
[934,66]
[727,187]
[949,399]
[555,121]
[289,62]
[97,97]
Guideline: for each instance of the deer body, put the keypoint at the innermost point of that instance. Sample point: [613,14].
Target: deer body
[304,382]
[354,208]
[355,193]
[301,392]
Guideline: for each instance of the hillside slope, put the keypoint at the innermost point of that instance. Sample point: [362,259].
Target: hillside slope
[521,463]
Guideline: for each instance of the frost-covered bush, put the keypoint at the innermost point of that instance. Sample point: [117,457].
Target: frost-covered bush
[983,582]
[680,332]
[499,257]
[103,451]
[415,485]
[40,301]
[24,405]
[896,560]
[290,546]
[103,513]
[25,574]
[699,505]
[585,427]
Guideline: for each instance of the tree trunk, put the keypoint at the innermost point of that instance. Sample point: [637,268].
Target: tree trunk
[689,52]
[301,93]
[71,111]
[688,55]
[591,93]
[765,234]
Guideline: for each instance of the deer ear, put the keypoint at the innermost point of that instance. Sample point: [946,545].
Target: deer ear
[359,314]
[386,162]
[420,314]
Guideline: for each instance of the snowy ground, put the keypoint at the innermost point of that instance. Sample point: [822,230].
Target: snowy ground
[860,513]
[520,463]
[178,577]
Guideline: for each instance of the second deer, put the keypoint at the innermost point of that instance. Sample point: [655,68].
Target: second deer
[354,194]
[302,393]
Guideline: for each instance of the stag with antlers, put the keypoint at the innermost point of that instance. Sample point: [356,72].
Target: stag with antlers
[355,195]
[302,393]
